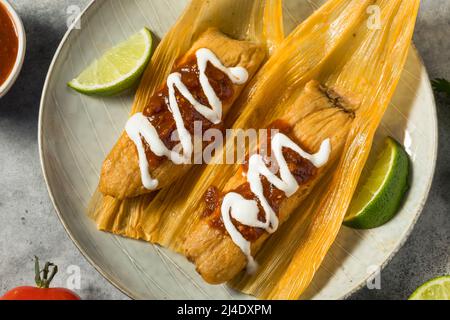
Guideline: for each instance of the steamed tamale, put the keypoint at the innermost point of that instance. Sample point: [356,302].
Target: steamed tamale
[121,176]
[319,113]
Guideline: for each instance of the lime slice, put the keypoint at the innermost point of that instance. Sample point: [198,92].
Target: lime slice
[436,289]
[118,69]
[382,188]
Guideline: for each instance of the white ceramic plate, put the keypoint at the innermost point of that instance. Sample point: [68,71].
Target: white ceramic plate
[77,131]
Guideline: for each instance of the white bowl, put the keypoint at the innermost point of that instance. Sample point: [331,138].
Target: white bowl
[4,88]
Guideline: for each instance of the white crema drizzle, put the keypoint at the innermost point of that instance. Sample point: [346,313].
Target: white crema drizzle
[139,126]
[246,211]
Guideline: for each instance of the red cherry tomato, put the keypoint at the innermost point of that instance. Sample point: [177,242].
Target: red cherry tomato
[42,291]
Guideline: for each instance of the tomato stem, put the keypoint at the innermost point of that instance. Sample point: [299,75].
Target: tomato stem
[45,280]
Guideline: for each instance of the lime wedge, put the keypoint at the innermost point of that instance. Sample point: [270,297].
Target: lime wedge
[118,69]
[436,289]
[381,189]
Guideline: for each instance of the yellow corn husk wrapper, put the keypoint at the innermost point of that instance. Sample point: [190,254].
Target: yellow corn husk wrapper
[338,47]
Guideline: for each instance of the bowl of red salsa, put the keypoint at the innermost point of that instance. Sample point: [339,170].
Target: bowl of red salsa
[12,46]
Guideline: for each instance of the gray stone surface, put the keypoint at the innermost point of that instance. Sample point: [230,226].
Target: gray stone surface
[30,226]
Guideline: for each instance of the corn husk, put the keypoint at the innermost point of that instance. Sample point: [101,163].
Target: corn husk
[335,47]
[369,65]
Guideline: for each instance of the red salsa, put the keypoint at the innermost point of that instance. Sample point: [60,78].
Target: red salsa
[9,44]
[302,169]
[162,119]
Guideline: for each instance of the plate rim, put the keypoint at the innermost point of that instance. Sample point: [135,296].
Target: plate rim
[111,279]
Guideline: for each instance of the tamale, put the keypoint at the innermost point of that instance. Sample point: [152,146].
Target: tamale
[318,114]
[121,175]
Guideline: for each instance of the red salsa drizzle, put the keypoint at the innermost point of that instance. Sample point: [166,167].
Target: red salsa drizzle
[162,119]
[9,44]
[302,169]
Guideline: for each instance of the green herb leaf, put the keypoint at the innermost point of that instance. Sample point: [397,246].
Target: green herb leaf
[441,85]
